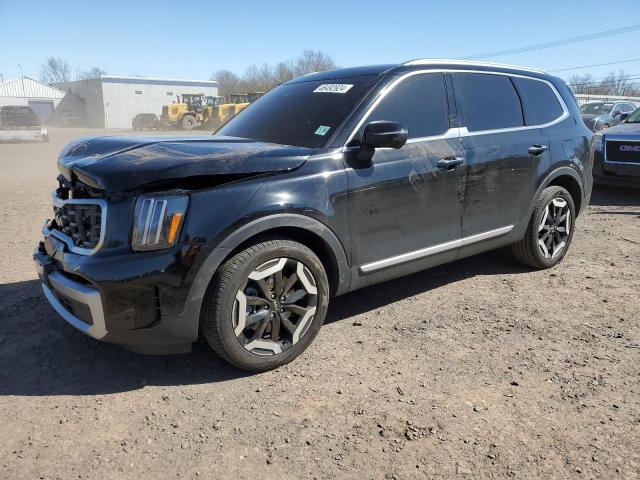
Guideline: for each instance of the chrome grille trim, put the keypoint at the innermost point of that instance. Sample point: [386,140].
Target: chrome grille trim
[58,203]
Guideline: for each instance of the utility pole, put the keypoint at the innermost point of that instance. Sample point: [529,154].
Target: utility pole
[22,79]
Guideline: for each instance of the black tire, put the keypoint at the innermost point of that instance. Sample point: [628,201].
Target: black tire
[217,318]
[527,251]
[188,122]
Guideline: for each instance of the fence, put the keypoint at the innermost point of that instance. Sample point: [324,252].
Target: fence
[584,98]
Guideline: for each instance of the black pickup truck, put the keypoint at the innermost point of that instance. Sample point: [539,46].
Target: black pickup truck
[617,153]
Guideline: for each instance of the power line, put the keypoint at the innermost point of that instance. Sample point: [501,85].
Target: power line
[595,65]
[557,43]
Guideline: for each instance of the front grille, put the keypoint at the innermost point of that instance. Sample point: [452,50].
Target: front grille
[82,223]
[623,151]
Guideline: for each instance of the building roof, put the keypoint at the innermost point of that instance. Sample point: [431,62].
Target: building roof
[25,87]
[158,81]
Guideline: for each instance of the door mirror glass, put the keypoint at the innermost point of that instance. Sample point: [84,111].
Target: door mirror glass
[385,134]
[623,116]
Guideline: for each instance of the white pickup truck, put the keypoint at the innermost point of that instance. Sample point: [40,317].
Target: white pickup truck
[21,124]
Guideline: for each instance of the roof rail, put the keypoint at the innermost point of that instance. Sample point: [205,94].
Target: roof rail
[436,61]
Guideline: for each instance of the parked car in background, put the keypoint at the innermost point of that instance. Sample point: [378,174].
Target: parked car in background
[616,153]
[328,183]
[21,123]
[599,115]
[145,121]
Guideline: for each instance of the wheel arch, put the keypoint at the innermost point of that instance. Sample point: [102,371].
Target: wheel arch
[574,188]
[567,178]
[309,231]
[313,240]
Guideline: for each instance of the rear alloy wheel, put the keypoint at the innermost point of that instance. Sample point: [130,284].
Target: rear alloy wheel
[554,228]
[550,230]
[266,304]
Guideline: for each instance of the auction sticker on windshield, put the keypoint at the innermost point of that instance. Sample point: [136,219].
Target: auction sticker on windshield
[333,88]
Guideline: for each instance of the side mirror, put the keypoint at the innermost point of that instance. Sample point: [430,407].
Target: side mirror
[384,134]
[623,116]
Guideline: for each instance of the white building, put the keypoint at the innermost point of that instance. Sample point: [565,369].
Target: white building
[42,98]
[112,101]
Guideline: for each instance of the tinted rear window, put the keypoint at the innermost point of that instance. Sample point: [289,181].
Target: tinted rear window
[304,114]
[541,104]
[419,103]
[488,101]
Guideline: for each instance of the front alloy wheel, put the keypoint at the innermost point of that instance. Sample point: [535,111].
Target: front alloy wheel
[266,304]
[275,307]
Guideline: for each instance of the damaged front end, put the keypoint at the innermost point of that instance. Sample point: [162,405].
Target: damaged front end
[117,252]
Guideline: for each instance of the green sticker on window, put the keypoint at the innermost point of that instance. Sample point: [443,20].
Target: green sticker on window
[322,130]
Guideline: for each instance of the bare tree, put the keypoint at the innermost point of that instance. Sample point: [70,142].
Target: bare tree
[55,70]
[284,71]
[95,72]
[266,76]
[228,82]
[311,61]
[251,78]
[619,83]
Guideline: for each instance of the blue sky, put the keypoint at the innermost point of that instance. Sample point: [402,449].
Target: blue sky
[188,39]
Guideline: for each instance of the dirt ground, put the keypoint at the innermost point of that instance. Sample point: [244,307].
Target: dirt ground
[477,369]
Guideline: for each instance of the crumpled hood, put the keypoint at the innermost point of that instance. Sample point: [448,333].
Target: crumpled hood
[119,163]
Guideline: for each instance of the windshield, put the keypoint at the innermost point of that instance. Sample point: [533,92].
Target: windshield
[596,108]
[304,114]
[634,117]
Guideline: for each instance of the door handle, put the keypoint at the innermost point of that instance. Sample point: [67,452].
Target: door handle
[449,163]
[537,149]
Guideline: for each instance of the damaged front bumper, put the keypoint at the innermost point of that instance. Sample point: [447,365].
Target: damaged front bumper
[118,300]
[79,304]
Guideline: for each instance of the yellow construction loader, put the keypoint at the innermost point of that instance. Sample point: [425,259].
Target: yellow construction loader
[193,110]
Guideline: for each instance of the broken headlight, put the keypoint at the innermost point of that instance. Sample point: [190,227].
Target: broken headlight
[157,221]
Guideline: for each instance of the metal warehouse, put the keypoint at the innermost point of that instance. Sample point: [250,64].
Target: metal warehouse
[43,99]
[112,101]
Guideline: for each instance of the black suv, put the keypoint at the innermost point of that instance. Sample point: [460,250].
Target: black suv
[326,184]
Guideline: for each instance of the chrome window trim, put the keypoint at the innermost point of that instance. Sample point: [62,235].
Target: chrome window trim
[385,91]
[617,138]
[428,251]
[470,63]
[59,202]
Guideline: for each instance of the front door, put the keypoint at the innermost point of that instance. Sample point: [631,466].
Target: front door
[405,209]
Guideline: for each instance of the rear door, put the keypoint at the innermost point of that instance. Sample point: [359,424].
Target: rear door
[405,206]
[500,169]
